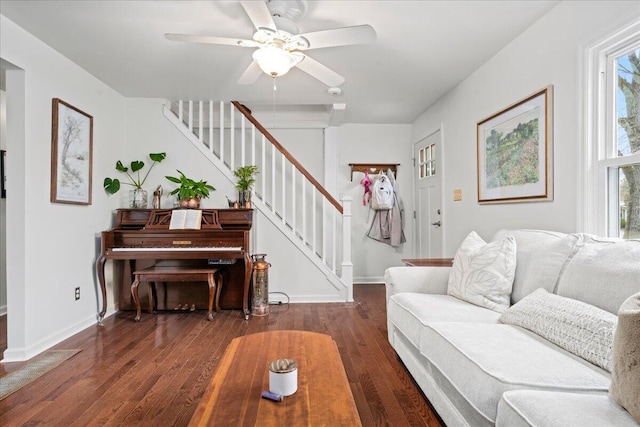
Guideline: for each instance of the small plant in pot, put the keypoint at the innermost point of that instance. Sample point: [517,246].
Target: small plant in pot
[246,179]
[190,191]
[138,196]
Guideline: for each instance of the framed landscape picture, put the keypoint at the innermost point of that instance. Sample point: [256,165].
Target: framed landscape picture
[71,154]
[515,152]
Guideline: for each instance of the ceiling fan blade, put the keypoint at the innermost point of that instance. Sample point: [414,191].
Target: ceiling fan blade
[250,75]
[359,34]
[210,40]
[259,14]
[320,72]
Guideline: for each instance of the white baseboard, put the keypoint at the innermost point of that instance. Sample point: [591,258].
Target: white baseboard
[21,354]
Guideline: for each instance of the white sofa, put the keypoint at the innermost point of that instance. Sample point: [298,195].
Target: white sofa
[477,371]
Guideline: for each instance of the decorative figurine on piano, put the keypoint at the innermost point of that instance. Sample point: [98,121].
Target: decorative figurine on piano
[157,195]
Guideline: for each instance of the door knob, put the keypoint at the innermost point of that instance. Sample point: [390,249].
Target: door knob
[437,223]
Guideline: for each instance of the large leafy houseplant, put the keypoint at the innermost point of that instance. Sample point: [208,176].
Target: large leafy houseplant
[138,196]
[112,185]
[190,191]
[246,179]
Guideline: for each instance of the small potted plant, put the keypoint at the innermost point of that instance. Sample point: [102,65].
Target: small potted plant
[246,179]
[137,196]
[190,191]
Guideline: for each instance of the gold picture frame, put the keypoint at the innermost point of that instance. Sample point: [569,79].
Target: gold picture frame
[515,151]
[71,154]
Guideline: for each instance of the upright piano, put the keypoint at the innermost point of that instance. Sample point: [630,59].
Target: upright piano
[144,234]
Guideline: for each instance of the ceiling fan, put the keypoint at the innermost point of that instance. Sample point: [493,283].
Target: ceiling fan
[280,47]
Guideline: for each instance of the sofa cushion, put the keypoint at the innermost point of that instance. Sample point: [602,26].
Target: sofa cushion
[603,272]
[409,312]
[531,408]
[541,258]
[484,360]
[482,272]
[625,381]
[580,328]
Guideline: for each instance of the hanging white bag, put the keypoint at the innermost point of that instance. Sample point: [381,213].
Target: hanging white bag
[382,193]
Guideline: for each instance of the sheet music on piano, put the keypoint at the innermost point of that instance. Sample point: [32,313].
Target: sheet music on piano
[185,219]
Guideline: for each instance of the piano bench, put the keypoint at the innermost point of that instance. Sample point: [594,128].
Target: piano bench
[171,273]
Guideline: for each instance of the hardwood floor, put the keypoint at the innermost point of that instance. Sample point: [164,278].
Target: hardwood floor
[153,373]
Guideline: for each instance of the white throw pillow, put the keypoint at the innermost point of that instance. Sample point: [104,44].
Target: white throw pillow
[580,328]
[483,273]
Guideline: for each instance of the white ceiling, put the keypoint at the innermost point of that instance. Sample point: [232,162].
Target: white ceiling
[423,49]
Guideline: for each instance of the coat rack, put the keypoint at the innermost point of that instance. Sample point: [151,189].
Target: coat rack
[374,168]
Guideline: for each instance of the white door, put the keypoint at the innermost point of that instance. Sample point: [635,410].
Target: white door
[428,188]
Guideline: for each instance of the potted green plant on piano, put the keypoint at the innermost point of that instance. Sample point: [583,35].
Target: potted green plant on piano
[190,191]
[137,195]
[246,180]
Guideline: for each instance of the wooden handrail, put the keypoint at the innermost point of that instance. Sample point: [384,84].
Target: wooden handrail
[245,111]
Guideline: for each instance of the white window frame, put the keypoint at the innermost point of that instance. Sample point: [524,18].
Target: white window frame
[598,182]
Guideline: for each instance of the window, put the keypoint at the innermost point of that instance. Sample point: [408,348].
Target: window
[613,185]
[427,161]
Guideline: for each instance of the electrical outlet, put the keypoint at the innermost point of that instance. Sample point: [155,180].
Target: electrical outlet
[457,195]
[77,294]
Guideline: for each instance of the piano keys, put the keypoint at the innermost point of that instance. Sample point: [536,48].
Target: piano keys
[144,234]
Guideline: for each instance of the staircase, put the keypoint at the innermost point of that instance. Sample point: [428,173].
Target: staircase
[285,192]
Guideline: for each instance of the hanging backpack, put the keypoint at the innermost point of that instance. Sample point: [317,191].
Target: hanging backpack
[382,193]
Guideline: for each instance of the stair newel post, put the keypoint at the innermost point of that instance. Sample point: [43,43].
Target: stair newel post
[347,265]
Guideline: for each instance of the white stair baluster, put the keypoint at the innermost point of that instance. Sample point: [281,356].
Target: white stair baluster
[211,126]
[313,220]
[284,188]
[232,139]
[333,240]
[304,211]
[263,171]
[293,198]
[200,120]
[273,178]
[191,116]
[242,141]
[222,131]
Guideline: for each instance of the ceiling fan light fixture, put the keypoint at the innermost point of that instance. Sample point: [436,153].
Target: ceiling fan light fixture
[275,61]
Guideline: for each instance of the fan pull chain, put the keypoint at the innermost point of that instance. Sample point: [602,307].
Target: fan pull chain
[273,111]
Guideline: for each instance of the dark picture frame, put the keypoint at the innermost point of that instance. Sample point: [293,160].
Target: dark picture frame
[515,151]
[71,154]
[3,176]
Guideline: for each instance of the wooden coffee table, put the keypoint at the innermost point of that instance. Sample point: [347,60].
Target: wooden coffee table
[323,398]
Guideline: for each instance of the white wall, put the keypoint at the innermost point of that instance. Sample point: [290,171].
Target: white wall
[548,53]
[53,247]
[362,143]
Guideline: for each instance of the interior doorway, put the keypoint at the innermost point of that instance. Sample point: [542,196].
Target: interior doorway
[428,201]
